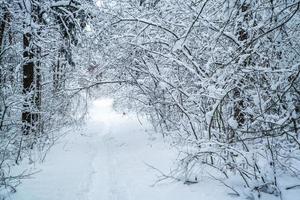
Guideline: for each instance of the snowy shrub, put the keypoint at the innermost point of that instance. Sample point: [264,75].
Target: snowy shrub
[221,78]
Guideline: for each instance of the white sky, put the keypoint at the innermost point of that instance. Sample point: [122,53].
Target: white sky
[102,111]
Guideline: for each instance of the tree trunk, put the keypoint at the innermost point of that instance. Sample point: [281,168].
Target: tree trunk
[3,25]
[31,83]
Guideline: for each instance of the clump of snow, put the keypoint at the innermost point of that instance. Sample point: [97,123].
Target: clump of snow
[233,123]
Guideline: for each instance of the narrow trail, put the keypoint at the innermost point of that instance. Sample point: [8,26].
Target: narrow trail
[105,181]
[105,160]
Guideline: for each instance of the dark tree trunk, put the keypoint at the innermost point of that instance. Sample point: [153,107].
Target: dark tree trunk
[31,84]
[242,36]
[28,117]
[3,26]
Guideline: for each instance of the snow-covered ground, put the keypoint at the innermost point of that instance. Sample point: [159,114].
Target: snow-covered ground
[107,160]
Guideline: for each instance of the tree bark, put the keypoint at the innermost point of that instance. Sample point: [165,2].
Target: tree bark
[31,82]
[3,26]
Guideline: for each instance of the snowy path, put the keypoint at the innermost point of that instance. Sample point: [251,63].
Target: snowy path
[106,161]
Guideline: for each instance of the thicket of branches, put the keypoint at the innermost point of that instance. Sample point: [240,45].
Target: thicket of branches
[218,77]
[221,78]
[38,39]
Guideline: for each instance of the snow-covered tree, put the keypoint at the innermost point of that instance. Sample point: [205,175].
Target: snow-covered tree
[37,40]
[221,77]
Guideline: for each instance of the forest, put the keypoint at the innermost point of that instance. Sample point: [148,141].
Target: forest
[218,82]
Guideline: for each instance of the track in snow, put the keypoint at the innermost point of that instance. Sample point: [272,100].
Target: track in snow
[106,161]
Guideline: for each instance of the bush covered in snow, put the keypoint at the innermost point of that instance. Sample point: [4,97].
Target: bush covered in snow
[221,78]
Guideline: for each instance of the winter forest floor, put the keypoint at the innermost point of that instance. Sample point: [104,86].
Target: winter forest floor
[108,159]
